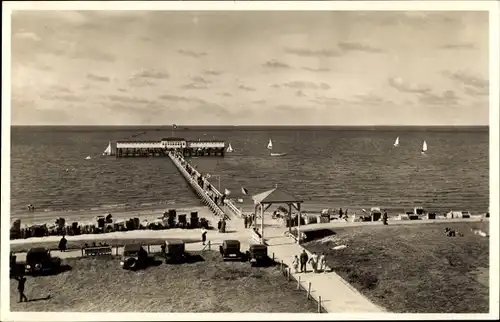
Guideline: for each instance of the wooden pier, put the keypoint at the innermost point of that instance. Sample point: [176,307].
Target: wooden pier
[179,162]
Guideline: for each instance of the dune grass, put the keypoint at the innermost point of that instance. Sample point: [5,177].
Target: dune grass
[210,285]
[413,268]
[78,244]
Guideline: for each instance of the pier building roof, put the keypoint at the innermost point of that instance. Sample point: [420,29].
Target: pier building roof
[173,139]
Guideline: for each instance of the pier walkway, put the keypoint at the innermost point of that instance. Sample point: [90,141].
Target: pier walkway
[221,211]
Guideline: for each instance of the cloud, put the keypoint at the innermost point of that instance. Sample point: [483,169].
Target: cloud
[141,82]
[97,78]
[212,72]
[199,79]
[467,79]
[473,91]
[276,64]
[372,99]
[261,101]
[327,101]
[402,86]
[446,98]
[191,53]
[151,73]
[91,54]
[355,46]
[312,53]
[122,90]
[316,70]
[27,36]
[60,89]
[226,94]
[176,98]
[458,46]
[62,97]
[246,88]
[127,99]
[195,86]
[303,85]
[300,93]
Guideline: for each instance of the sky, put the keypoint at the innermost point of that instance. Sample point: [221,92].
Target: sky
[249,68]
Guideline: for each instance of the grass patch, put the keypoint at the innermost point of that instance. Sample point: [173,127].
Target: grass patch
[414,268]
[78,244]
[211,285]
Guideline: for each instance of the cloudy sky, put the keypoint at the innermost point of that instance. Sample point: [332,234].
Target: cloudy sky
[158,67]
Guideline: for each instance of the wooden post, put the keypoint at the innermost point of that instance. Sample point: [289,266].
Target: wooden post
[290,218]
[281,268]
[116,250]
[309,290]
[209,245]
[262,222]
[82,252]
[319,304]
[273,257]
[298,283]
[149,249]
[298,224]
[289,273]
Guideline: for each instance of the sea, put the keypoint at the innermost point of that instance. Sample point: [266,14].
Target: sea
[327,167]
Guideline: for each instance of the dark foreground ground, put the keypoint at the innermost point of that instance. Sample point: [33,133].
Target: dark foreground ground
[414,268]
[207,285]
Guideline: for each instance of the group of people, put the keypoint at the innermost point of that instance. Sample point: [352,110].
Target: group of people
[318,263]
[249,220]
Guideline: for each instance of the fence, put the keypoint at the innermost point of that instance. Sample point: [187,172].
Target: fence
[286,271]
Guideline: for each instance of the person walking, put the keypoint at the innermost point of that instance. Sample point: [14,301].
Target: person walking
[63,244]
[21,281]
[322,263]
[219,225]
[303,261]
[245,219]
[295,264]
[314,262]
[384,217]
[203,235]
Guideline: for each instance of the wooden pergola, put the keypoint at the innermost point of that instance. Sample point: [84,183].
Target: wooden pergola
[266,199]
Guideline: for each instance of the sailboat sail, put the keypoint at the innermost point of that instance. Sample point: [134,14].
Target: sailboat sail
[229,148]
[396,143]
[270,145]
[108,150]
[424,147]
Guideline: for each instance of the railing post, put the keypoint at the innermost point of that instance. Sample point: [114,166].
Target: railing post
[309,290]
[209,245]
[298,283]
[319,304]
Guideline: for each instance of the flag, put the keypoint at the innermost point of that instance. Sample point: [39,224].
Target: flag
[244,191]
[227,192]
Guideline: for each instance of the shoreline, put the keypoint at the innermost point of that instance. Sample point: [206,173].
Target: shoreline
[195,232]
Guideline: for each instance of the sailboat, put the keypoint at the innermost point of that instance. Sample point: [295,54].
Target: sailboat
[108,150]
[270,147]
[88,158]
[270,144]
[396,143]
[229,148]
[424,147]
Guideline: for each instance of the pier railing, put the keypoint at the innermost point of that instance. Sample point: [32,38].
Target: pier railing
[229,204]
[199,190]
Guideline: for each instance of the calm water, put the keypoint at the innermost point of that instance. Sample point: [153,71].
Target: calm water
[327,167]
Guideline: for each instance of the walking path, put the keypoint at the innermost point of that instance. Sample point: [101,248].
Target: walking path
[337,296]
